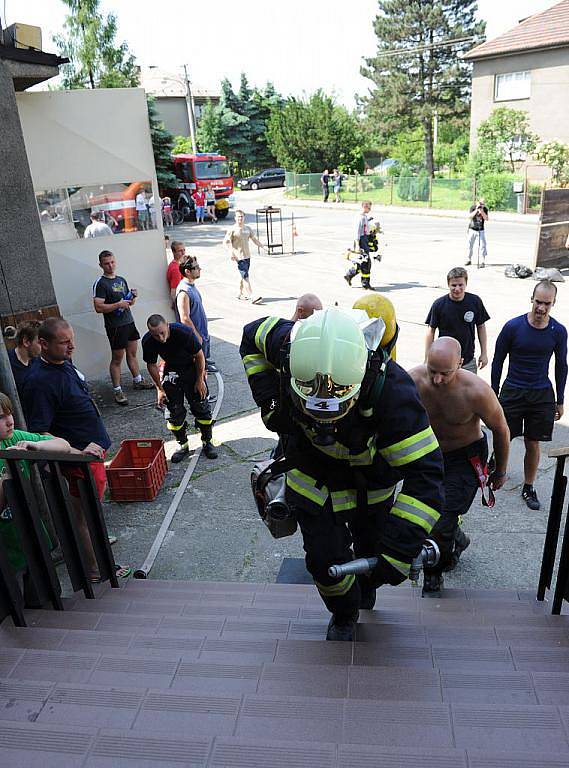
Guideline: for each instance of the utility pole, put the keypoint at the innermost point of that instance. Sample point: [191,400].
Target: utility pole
[191,113]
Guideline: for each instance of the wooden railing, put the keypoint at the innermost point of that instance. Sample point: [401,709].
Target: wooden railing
[41,577]
[561,591]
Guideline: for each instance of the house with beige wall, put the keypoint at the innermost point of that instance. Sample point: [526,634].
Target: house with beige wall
[526,68]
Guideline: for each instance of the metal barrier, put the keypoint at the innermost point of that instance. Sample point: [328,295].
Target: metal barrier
[41,577]
[552,536]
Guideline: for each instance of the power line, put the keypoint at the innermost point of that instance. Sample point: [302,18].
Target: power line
[426,47]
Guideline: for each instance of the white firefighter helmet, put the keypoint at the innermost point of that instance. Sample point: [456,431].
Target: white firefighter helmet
[328,359]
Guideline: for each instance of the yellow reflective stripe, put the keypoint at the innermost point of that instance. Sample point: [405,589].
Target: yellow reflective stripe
[304,485]
[410,449]
[173,427]
[343,500]
[365,457]
[379,494]
[335,451]
[204,421]
[399,565]
[339,589]
[256,364]
[263,331]
[409,508]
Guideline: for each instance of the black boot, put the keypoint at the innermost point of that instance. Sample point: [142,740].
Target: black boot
[432,584]
[348,279]
[342,628]
[461,542]
[368,594]
[209,450]
[180,454]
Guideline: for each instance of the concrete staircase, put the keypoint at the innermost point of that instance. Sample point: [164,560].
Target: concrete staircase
[238,675]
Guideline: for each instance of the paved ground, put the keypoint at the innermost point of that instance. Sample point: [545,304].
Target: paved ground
[216,533]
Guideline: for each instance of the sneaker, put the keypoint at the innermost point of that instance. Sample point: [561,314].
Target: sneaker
[211,367]
[120,397]
[432,584]
[348,280]
[482,265]
[530,497]
[180,455]
[467,263]
[258,300]
[342,628]
[209,450]
[142,384]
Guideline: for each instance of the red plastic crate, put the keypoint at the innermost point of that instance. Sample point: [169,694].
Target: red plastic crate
[138,470]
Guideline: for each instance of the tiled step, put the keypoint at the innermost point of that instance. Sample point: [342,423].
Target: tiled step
[281,732]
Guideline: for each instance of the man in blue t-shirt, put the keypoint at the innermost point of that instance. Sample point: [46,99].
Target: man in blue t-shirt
[527,397]
[457,315]
[189,305]
[25,354]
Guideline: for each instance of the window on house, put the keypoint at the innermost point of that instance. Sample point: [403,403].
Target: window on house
[512,85]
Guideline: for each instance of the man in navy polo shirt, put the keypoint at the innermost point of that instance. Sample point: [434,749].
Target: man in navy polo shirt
[530,405]
[56,401]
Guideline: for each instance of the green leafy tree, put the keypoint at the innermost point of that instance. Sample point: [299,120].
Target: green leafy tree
[417,71]
[506,133]
[210,134]
[162,143]
[555,155]
[96,59]
[307,135]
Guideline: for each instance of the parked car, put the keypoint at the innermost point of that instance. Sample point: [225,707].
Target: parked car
[272,177]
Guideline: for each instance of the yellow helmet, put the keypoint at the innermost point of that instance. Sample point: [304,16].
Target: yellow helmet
[377,305]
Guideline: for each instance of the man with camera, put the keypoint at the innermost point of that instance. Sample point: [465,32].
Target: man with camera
[478,215]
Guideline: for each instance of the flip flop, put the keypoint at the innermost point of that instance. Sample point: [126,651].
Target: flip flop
[112,539]
[123,571]
[258,300]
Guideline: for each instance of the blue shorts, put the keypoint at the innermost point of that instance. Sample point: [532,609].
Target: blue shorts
[243,267]
[200,211]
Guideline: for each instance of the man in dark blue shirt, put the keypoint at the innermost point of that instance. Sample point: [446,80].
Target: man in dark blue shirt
[527,396]
[56,401]
[458,314]
[184,378]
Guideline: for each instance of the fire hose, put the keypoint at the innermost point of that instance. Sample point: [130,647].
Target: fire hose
[428,556]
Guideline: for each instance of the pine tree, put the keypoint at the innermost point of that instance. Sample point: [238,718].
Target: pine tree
[88,40]
[234,124]
[162,143]
[416,73]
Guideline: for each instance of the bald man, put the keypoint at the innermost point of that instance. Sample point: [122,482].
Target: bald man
[456,402]
[307,304]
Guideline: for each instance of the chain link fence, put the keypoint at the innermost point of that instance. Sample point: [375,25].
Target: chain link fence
[501,191]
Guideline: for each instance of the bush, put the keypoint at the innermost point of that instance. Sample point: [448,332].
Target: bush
[497,190]
[405,183]
[419,187]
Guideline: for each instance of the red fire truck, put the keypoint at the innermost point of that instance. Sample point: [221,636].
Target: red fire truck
[200,170]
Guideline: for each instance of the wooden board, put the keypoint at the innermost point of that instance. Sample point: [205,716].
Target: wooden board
[553,230]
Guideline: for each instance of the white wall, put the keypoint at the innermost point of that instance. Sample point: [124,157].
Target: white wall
[82,138]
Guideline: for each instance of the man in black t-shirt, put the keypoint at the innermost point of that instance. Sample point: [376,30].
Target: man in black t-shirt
[113,299]
[184,377]
[457,314]
[478,214]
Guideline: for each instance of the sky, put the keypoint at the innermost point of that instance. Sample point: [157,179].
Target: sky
[299,45]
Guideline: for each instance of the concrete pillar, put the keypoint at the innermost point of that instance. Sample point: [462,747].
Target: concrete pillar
[26,286]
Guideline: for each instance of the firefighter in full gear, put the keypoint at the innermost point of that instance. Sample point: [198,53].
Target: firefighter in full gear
[184,377]
[352,427]
[365,244]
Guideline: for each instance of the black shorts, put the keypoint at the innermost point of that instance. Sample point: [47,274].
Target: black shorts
[529,412]
[119,337]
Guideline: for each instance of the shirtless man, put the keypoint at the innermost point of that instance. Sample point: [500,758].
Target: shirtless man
[456,401]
